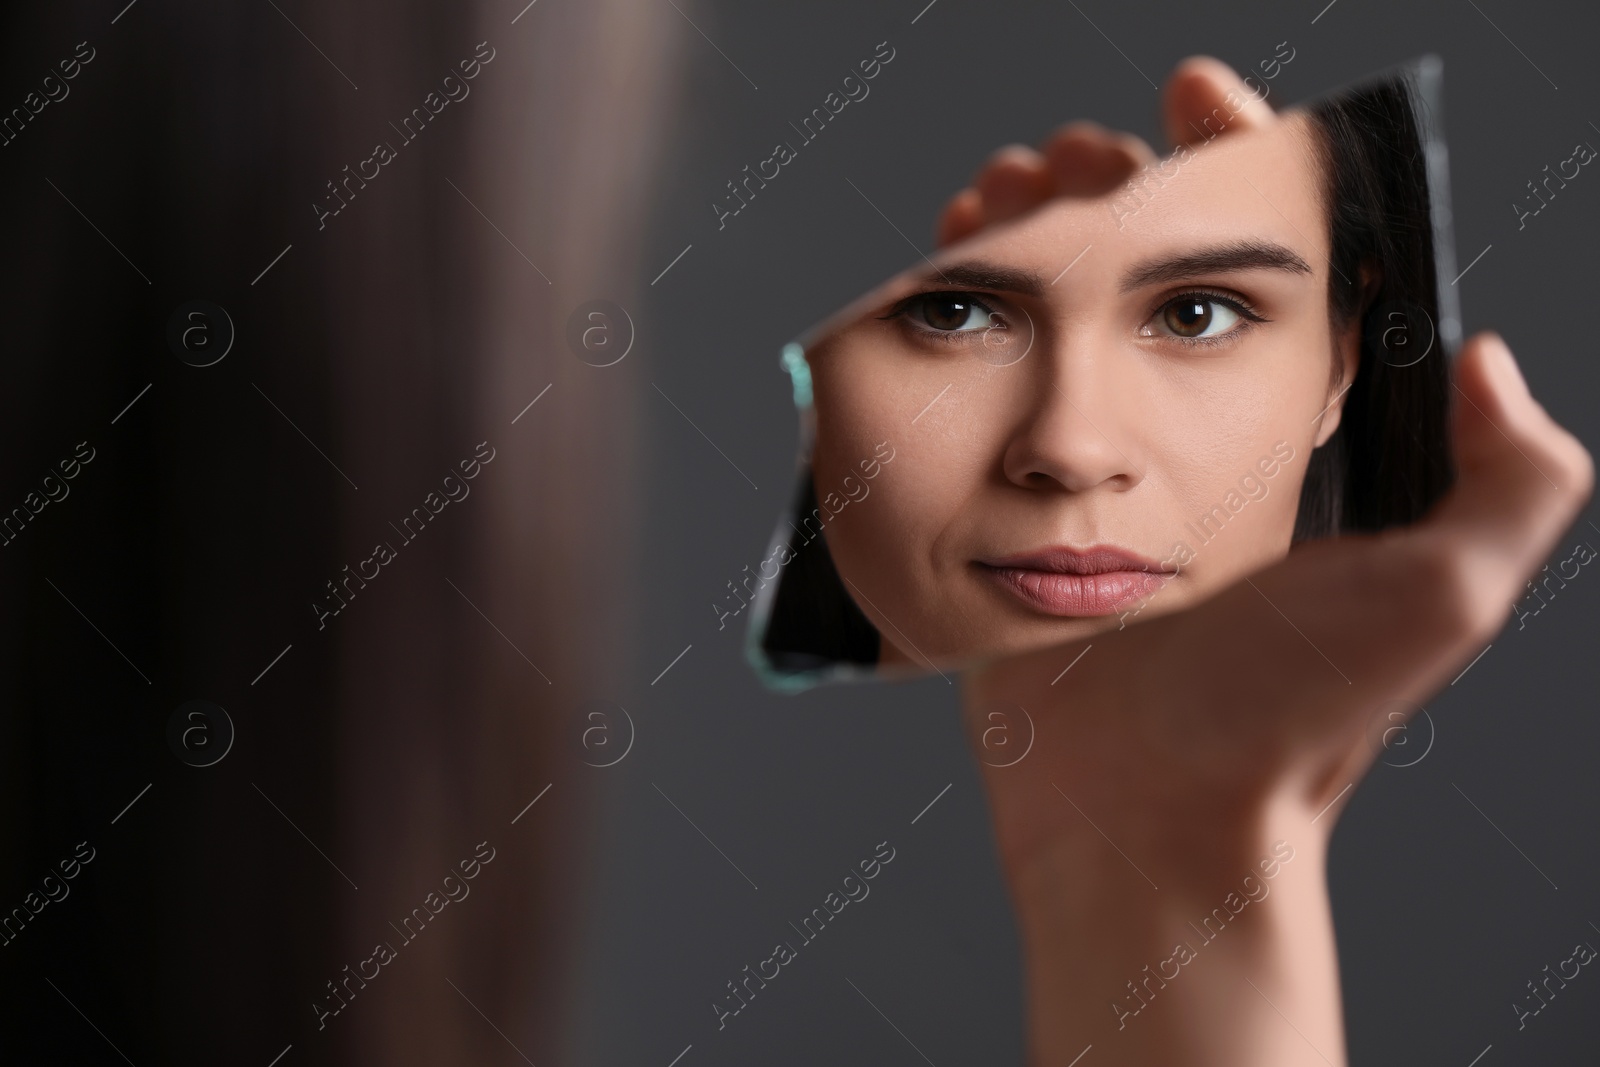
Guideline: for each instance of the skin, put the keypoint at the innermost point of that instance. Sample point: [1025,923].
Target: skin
[1182,753]
[1112,428]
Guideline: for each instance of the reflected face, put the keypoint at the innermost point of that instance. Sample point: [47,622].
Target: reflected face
[1097,414]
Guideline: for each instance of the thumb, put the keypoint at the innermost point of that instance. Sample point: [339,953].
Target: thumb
[1520,477]
[1205,97]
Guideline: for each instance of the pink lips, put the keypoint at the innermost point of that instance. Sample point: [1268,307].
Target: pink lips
[1077,582]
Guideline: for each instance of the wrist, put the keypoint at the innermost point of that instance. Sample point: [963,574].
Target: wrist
[1217,950]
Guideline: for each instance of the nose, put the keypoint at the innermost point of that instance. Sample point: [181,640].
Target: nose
[1076,431]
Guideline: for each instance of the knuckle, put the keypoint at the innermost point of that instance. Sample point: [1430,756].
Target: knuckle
[1449,589]
[1555,451]
[1576,465]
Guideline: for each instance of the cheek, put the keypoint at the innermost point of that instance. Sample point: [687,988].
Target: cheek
[1210,429]
[875,542]
[1214,426]
[849,411]
[887,543]
[853,413]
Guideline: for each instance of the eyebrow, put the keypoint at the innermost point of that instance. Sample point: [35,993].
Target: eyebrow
[1216,259]
[1234,257]
[977,274]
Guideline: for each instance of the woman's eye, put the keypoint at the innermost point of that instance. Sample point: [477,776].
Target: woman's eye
[952,312]
[1198,316]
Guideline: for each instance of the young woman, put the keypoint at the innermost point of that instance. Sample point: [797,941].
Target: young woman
[1163,479]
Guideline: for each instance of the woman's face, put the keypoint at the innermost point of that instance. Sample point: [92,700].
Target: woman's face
[1098,414]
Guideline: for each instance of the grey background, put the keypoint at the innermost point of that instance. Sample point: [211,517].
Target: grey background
[1442,915]
[206,923]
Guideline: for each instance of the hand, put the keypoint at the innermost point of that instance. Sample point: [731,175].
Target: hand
[1175,751]
[1171,759]
[1261,694]
[1087,160]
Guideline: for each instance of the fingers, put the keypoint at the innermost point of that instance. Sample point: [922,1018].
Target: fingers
[1521,479]
[1013,181]
[961,217]
[1204,98]
[1086,159]
[1272,687]
[1079,159]
[1292,665]
[1446,585]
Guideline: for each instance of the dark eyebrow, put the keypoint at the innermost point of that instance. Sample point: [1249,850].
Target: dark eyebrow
[1217,259]
[977,274]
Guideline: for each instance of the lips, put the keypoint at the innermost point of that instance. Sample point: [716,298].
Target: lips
[1066,581]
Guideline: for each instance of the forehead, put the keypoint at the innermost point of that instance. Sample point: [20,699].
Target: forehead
[1262,186]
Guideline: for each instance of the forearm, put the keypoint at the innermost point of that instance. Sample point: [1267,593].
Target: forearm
[1222,958]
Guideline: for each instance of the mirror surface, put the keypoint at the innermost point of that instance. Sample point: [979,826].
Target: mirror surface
[1113,407]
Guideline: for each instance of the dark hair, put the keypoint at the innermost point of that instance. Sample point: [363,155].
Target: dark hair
[1388,461]
[814,622]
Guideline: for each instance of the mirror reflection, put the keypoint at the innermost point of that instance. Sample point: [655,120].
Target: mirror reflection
[1112,406]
